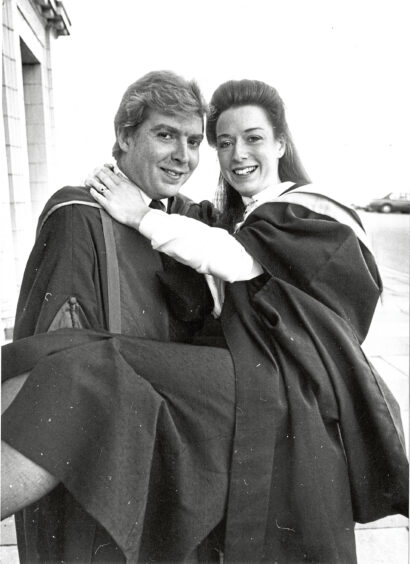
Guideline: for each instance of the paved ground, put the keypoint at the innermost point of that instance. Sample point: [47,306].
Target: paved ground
[387,345]
[384,541]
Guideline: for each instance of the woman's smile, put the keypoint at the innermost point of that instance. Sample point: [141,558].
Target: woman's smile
[245,171]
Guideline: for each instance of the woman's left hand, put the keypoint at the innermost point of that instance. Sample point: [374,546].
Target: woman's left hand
[118,196]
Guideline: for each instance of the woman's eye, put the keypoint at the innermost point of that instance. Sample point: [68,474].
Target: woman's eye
[254,138]
[224,144]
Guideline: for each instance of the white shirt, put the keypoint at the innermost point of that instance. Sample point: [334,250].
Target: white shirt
[148,200]
[209,250]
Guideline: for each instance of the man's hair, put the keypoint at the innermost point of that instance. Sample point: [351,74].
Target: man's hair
[163,91]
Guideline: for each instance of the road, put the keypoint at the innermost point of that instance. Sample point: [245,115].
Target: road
[390,237]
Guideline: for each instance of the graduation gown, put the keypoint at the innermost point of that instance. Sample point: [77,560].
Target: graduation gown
[88,271]
[305,387]
[70,282]
[318,440]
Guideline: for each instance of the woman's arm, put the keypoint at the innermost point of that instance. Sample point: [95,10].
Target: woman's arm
[318,255]
[209,250]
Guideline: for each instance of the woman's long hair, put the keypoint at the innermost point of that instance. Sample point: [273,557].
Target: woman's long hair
[236,93]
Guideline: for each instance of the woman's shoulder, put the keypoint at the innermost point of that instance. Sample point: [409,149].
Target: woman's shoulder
[318,197]
[328,202]
[315,201]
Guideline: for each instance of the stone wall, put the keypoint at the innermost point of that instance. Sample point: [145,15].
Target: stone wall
[26,134]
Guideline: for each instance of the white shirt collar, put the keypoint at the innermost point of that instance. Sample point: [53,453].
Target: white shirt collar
[147,200]
[266,195]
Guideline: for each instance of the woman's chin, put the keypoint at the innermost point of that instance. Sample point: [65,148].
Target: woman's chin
[246,190]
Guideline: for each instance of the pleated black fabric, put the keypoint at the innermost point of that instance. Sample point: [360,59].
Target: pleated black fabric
[289,437]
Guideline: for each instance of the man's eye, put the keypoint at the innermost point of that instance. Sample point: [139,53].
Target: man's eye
[164,135]
[254,138]
[195,143]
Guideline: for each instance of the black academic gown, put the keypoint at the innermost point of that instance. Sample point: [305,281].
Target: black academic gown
[318,441]
[66,284]
[303,386]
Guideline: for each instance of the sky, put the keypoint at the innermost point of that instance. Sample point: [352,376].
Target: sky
[341,67]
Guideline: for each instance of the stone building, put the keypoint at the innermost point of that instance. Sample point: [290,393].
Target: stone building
[27,148]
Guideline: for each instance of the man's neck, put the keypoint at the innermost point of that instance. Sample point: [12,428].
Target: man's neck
[147,199]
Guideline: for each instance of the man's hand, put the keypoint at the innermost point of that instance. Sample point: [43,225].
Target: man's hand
[118,196]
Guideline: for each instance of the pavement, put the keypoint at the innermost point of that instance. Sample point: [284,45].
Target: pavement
[387,346]
[386,541]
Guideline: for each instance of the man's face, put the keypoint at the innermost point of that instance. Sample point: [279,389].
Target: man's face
[162,153]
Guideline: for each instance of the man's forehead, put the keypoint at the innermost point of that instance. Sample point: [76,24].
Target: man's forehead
[184,123]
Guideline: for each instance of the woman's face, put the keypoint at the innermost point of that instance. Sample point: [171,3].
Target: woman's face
[248,152]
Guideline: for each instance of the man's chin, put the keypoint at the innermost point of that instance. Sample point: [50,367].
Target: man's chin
[167,190]
[174,186]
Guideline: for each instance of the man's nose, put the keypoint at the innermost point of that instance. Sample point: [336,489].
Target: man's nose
[239,152]
[180,152]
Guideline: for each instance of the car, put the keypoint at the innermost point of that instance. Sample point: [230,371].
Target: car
[393,202]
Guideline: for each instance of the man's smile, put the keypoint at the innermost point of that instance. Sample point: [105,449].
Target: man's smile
[172,172]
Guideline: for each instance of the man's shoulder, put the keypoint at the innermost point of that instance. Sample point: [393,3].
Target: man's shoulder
[70,195]
[181,204]
[204,211]
[67,196]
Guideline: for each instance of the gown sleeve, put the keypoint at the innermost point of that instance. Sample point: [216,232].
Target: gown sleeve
[319,256]
[63,284]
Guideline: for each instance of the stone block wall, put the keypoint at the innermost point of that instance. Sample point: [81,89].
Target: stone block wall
[27,135]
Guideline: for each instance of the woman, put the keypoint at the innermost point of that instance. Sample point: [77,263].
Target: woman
[317,442]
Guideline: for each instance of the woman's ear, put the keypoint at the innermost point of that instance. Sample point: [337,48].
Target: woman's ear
[281,148]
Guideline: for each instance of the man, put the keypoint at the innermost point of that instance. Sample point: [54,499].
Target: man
[87,271]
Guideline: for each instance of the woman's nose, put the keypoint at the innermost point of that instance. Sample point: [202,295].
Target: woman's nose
[239,153]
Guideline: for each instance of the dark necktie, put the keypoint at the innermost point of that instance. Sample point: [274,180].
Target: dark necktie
[157,205]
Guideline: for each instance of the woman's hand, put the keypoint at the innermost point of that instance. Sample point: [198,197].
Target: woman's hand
[118,196]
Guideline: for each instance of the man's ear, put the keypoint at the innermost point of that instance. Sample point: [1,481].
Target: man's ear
[123,140]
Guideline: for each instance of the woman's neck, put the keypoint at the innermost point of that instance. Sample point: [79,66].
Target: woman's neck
[270,192]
